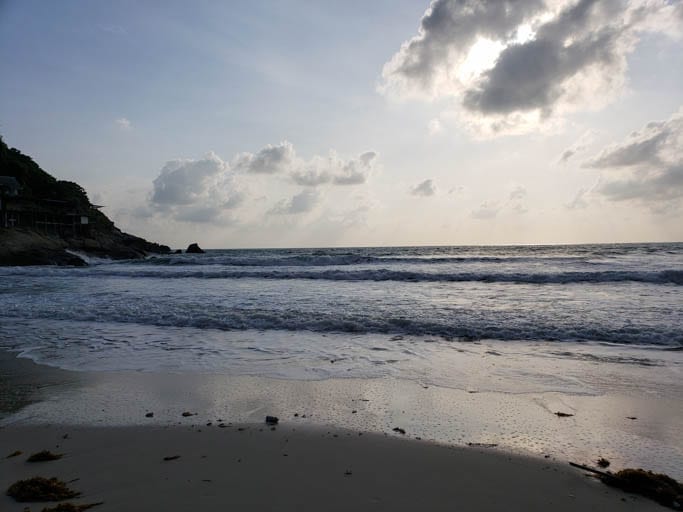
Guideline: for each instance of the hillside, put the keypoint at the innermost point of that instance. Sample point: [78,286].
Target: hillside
[42,218]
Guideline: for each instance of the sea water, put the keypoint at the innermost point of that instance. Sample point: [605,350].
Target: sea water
[454,344]
[432,314]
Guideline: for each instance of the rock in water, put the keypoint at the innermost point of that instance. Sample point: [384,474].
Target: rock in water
[194,249]
[272,420]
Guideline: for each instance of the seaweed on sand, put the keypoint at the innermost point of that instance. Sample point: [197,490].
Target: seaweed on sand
[44,456]
[661,488]
[41,489]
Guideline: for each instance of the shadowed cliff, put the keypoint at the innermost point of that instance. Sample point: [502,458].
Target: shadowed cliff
[42,218]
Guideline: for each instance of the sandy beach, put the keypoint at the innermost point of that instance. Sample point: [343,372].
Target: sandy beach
[115,431]
[254,467]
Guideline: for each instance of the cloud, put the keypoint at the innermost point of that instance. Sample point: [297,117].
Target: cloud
[196,190]
[269,160]
[647,167]
[206,190]
[333,170]
[303,202]
[123,123]
[515,66]
[579,201]
[424,189]
[185,181]
[487,210]
[579,146]
[518,192]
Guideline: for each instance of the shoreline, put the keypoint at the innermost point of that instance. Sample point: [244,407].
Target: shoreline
[293,468]
[524,424]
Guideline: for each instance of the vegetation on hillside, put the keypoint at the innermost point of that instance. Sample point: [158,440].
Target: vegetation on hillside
[38,184]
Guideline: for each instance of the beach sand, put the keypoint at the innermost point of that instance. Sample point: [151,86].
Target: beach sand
[114,453]
[252,467]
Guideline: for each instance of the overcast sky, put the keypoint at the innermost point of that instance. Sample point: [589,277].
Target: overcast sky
[390,122]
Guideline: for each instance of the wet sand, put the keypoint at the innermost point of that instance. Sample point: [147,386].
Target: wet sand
[100,422]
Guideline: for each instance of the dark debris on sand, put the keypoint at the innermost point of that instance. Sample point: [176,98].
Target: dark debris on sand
[661,488]
[44,456]
[41,489]
[70,507]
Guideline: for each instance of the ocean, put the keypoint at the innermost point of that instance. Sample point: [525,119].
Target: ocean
[453,344]
[426,314]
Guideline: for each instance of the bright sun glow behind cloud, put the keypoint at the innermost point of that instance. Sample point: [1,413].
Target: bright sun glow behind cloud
[482,56]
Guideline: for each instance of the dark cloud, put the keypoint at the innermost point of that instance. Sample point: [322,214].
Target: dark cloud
[643,148]
[424,189]
[664,185]
[545,57]
[647,167]
[450,26]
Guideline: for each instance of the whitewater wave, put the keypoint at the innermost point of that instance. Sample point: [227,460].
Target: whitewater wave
[240,319]
[345,259]
[612,276]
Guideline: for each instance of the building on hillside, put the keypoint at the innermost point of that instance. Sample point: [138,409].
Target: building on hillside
[9,186]
[48,216]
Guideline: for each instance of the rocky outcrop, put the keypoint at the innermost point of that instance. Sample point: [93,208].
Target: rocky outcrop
[33,203]
[194,249]
[20,247]
[24,247]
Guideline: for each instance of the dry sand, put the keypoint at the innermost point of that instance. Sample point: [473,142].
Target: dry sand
[291,468]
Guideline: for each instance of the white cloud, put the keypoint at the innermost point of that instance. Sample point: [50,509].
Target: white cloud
[269,160]
[197,190]
[517,192]
[647,167]
[303,202]
[579,201]
[123,123]
[207,189]
[517,66]
[333,170]
[435,126]
[578,147]
[424,189]
[487,210]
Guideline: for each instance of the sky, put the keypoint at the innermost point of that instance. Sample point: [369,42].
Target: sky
[346,123]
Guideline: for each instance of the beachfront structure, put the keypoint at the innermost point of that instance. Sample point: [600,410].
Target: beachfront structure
[48,216]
